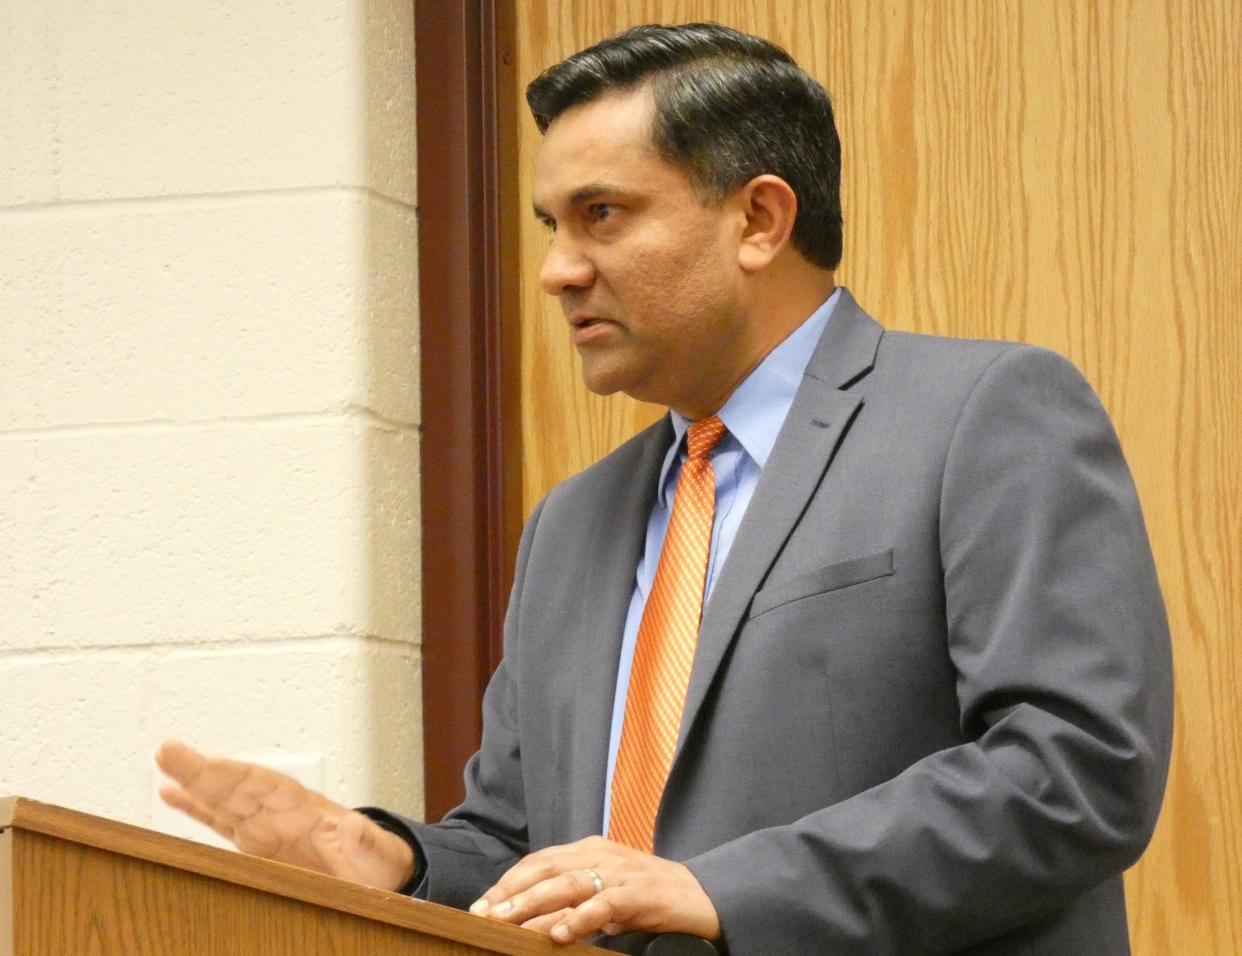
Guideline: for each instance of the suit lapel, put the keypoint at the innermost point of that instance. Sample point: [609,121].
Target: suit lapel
[817,423]
[619,537]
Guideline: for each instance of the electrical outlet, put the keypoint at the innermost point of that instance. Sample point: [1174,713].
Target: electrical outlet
[305,768]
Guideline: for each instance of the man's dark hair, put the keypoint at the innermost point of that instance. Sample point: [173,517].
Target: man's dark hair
[728,107]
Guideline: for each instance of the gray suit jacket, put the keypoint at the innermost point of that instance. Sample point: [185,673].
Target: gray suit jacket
[930,709]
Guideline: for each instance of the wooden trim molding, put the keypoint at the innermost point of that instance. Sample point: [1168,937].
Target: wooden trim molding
[471,455]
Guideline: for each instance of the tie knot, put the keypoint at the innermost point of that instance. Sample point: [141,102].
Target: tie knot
[703,435]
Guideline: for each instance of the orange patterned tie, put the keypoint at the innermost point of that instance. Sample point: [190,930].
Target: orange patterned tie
[664,651]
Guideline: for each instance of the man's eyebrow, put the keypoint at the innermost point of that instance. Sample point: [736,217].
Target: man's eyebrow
[585,194]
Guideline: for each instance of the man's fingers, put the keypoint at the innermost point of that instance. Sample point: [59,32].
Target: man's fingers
[544,923]
[544,865]
[175,797]
[230,797]
[242,789]
[597,885]
[178,761]
[605,910]
[528,872]
[209,779]
[178,799]
[558,892]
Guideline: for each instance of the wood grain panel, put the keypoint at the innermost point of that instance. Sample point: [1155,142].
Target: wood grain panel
[6,893]
[1064,173]
[86,900]
[1189,885]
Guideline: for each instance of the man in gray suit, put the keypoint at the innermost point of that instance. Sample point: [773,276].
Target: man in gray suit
[929,707]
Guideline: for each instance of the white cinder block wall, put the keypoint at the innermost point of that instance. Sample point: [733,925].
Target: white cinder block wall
[208,394]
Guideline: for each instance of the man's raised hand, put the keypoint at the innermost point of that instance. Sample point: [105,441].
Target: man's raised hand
[271,815]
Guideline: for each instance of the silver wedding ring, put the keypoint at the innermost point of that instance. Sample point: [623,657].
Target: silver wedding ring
[599,884]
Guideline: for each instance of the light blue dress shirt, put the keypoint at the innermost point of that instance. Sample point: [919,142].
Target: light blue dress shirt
[753,417]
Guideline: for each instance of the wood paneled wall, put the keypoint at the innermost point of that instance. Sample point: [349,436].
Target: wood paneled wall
[1064,172]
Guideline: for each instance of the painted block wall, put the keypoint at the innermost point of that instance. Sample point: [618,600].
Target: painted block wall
[208,395]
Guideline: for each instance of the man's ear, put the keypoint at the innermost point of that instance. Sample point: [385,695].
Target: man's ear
[770,207]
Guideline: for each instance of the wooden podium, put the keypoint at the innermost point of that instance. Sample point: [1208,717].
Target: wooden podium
[71,883]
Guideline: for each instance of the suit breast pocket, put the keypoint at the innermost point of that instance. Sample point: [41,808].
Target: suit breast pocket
[832,577]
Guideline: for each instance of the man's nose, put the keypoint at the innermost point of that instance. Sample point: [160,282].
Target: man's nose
[565,267]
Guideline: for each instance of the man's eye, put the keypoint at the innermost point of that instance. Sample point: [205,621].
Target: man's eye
[600,211]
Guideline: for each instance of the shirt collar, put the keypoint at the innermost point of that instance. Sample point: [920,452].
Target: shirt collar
[757,409]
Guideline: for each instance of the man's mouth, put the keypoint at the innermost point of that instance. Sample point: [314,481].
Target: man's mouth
[585,329]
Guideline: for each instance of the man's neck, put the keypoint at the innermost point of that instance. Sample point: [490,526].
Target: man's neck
[769,331]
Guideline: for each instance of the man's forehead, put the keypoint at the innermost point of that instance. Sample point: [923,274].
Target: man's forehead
[592,131]
[595,147]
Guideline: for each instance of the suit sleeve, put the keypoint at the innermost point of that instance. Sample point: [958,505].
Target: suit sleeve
[1058,635]
[466,853]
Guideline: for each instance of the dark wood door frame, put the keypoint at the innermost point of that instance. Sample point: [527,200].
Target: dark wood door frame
[468,300]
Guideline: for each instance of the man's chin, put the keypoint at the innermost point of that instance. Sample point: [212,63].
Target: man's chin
[601,385]
[603,378]
[609,378]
